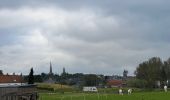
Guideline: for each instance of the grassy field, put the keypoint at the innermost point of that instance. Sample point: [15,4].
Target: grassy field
[95,96]
[58,92]
[55,87]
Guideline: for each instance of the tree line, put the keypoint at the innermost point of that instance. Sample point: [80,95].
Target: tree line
[153,73]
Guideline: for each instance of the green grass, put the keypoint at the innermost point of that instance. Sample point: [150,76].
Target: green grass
[95,96]
[64,92]
[55,87]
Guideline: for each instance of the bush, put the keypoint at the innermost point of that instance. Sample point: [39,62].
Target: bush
[45,88]
[56,88]
[136,83]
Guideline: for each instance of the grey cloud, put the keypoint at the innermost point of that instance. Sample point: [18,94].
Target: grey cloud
[82,35]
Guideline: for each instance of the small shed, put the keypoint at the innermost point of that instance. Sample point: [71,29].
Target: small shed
[18,92]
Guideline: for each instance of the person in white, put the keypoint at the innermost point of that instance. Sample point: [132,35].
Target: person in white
[120,91]
[129,91]
[165,88]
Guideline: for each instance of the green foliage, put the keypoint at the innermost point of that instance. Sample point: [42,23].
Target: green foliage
[154,70]
[138,83]
[95,96]
[167,69]
[1,72]
[56,87]
[91,80]
[38,78]
[31,77]
[150,71]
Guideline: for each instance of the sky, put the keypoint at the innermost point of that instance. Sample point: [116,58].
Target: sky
[84,36]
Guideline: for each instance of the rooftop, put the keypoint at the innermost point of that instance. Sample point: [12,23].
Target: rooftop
[11,79]
[17,85]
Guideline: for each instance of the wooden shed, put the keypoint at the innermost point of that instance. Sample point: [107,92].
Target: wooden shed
[18,92]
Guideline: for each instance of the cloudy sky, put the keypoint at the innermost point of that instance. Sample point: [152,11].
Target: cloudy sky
[88,36]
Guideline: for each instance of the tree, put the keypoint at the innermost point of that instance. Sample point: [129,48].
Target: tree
[150,71]
[1,72]
[163,73]
[38,78]
[31,77]
[138,83]
[91,80]
[167,68]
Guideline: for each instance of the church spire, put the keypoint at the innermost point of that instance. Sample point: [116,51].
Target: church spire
[64,71]
[51,72]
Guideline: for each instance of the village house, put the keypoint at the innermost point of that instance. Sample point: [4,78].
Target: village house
[115,83]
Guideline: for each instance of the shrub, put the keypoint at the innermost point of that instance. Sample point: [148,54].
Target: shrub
[136,83]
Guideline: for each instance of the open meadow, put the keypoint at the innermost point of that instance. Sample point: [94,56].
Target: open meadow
[65,92]
[95,96]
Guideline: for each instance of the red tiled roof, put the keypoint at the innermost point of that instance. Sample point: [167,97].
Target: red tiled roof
[11,79]
[115,82]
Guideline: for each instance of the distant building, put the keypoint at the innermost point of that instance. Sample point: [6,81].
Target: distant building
[50,76]
[11,79]
[51,70]
[115,83]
